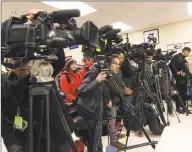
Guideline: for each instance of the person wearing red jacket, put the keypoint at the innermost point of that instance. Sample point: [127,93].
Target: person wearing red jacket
[86,65]
[70,80]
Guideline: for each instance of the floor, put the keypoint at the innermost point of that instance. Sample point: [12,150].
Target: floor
[186,121]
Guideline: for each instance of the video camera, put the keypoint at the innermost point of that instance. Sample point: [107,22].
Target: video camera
[141,51]
[42,37]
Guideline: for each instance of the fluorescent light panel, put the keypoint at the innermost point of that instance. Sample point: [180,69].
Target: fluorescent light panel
[122,26]
[84,8]
[189,6]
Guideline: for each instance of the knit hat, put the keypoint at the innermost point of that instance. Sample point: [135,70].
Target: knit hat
[68,61]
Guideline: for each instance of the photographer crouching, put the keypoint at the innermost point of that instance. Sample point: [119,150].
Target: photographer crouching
[14,101]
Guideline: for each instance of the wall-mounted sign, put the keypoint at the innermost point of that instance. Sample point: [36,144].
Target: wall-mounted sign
[74,47]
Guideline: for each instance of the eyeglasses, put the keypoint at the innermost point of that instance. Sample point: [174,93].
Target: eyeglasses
[116,64]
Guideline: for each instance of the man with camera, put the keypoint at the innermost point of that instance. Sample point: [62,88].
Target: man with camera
[15,88]
[180,71]
[91,102]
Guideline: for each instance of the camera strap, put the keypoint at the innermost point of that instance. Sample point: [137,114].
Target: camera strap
[30,42]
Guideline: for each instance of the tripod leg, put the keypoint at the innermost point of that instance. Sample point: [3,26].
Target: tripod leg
[128,130]
[30,136]
[47,123]
[40,134]
[168,122]
[176,115]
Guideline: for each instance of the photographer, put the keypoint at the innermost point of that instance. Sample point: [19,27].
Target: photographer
[91,96]
[86,65]
[180,72]
[127,74]
[15,87]
[114,65]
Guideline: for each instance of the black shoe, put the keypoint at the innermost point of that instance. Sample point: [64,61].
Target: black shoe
[188,112]
[180,111]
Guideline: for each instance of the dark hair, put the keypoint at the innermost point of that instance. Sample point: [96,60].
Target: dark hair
[113,56]
[186,49]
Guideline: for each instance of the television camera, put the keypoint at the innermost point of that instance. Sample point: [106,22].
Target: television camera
[41,38]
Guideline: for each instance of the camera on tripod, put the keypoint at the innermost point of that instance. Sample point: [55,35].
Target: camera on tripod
[42,37]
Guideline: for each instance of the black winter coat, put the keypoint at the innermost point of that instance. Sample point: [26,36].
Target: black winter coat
[113,93]
[178,64]
[92,95]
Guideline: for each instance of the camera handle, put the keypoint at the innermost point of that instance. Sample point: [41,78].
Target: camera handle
[45,89]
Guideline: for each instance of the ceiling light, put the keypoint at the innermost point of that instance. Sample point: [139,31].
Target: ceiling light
[122,26]
[189,6]
[84,8]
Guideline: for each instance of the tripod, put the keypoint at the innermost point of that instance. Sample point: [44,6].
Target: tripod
[162,75]
[130,109]
[189,90]
[47,89]
[145,90]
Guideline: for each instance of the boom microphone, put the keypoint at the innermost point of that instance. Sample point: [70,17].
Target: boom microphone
[110,33]
[62,15]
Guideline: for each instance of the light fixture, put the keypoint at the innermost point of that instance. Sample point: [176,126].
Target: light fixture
[84,8]
[189,6]
[122,26]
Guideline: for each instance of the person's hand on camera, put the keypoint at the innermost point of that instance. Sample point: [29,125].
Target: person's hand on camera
[32,13]
[109,105]
[101,77]
[181,73]
[128,91]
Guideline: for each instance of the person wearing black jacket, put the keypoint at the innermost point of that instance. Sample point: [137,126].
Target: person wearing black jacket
[14,102]
[180,72]
[14,108]
[92,96]
[127,75]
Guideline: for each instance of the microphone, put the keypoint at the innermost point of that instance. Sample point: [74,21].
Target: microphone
[110,33]
[60,15]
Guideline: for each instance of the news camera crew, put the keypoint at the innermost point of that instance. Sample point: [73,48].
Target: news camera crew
[181,72]
[70,80]
[92,96]
[14,101]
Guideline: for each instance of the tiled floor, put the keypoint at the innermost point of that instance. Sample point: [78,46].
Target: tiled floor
[186,121]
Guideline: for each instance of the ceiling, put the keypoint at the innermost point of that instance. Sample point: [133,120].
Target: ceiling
[139,15]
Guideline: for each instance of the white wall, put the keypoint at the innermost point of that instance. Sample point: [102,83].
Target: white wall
[168,34]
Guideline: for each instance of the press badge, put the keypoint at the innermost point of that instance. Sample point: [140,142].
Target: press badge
[18,122]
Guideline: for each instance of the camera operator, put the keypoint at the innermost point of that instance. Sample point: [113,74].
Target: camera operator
[86,65]
[91,99]
[114,66]
[127,74]
[15,87]
[180,72]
